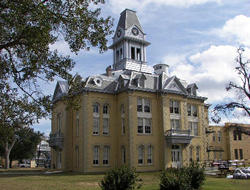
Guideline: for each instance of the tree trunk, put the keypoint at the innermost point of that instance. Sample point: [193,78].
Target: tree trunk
[7,153]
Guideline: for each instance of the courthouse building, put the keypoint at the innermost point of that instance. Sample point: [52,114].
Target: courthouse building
[134,114]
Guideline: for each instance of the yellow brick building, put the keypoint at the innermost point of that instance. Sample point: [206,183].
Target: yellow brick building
[133,114]
[229,142]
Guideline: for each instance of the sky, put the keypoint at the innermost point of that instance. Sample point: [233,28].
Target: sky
[198,39]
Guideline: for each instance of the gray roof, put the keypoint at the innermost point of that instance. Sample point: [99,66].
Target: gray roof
[127,19]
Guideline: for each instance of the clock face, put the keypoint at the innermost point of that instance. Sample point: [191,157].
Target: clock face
[119,32]
[135,31]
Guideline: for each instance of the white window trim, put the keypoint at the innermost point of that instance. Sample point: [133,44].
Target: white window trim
[107,127]
[144,126]
[96,154]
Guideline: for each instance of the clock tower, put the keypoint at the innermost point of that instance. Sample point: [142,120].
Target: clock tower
[129,44]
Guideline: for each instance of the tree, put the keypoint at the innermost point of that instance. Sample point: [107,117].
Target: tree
[26,145]
[242,90]
[28,28]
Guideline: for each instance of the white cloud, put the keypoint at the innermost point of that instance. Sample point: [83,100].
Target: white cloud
[236,29]
[138,5]
[63,48]
[211,69]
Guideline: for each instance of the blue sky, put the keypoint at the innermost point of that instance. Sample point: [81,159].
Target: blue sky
[196,38]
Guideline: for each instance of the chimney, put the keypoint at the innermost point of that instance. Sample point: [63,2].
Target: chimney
[160,68]
[109,71]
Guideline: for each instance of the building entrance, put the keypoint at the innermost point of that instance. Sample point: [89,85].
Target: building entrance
[176,156]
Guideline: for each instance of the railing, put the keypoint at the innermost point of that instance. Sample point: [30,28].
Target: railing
[177,132]
[177,136]
[56,140]
[215,149]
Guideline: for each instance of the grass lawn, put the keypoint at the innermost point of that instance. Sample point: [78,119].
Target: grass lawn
[75,181]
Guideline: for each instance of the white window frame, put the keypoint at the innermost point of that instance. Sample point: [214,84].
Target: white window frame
[96,125]
[193,127]
[145,104]
[192,110]
[174,105]
[150,155]
[96,152]
[106,155]
[141,155]
[173,124]
[144,125]
[105,126]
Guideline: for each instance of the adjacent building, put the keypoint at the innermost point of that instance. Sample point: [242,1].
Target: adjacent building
[133,114]
[229,142]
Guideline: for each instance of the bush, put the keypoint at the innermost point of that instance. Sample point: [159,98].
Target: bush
[186,178]
[122,178]
[174,179]
[196,175]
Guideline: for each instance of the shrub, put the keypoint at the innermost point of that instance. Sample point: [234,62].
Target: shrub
[122,178]
[186,178]
[174,179]
[196,175]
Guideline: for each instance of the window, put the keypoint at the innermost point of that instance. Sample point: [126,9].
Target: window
[219,136]
[106,155]
[123,155]
[214,137]
[150,155]
[193,127]
[96,126]
[77,124]
[140,125]
[175,124]
[139,104]
[105,109]
[237,134]
[138,54]
[141,154]
[122,109]
[123,126]
[143,105]
[96,155]
[197,153]
[192,110]
[105,126]
[117,55]
[220,155]
[174,107]
[121,54]
[59,123]
[132,53]
[95,108]
[77,156]
[190,154]
[236,154]
[241,154]
[144,125]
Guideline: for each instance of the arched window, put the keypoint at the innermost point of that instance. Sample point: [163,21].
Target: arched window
[96,108]
[105,109]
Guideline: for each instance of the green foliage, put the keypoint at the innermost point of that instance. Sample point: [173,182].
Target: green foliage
[196,175]
[122,178]
[174,178]
[26,145]
[186,178]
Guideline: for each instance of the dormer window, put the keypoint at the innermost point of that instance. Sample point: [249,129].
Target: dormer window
[132,53]
[138,54]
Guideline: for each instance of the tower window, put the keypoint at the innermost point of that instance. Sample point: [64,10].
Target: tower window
[117,55]
[132,53]
[121,54]
[138,54]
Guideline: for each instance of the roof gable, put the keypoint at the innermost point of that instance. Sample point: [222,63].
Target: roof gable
[174,84]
